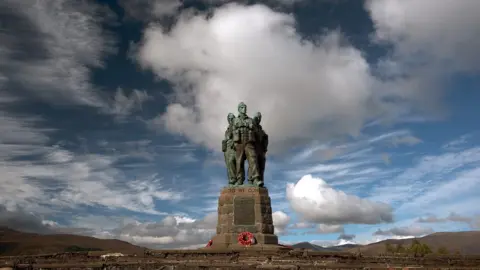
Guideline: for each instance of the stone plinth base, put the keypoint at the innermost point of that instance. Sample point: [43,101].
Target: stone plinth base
[244,209]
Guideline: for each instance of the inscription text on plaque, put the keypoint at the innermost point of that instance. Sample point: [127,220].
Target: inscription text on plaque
[244,211]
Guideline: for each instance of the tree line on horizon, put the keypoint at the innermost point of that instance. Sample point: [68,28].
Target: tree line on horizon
[416,249]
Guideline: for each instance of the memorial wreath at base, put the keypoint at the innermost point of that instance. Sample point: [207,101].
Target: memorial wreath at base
[246,239]
[210,243]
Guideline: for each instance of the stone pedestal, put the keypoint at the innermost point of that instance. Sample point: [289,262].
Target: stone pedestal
[244,209]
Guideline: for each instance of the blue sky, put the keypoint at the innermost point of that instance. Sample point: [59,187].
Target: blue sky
[112,114]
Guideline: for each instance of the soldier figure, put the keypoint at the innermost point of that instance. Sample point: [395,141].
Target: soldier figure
[261,146]
[244,138]
[228,150]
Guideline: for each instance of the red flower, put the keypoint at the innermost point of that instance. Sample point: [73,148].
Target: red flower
[246,238]
[209,243]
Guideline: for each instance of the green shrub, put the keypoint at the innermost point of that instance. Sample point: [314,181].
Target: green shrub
[80,249]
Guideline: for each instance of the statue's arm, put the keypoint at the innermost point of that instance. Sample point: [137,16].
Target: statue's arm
[265,142]
[228,135]
[224,145]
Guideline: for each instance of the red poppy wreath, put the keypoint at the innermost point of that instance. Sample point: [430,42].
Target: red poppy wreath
[246,239]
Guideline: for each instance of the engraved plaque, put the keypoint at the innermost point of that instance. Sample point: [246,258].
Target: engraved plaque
[244,211]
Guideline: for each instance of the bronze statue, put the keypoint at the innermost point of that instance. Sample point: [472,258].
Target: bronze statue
[261,146]
[244,140]
[228,149]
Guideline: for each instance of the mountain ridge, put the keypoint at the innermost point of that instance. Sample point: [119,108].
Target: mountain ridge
[14,243]
[465,243]
[310,246]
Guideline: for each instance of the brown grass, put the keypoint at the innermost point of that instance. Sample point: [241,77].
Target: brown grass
[13,243]
[467,243]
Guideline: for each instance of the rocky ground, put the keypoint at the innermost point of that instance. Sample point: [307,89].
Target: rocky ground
[202,259]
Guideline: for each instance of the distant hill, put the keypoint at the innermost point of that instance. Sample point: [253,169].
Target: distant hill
[20,243]
[467,243]
[307,245]
[345,247]
[13,243]
[310,246]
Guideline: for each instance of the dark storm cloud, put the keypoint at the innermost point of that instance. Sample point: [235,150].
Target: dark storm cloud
[347,237]
[22,221]
[404,231]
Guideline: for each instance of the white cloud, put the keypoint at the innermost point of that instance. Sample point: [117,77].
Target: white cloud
[95,182]
[229,64]
[329,168]
[150,9]
[452,217]
[99,224]
[22,130]
[363,241]
[19,219]
[234,63]
[225,62]
[154,10]
[124,105]
[20,137]
[332,243]
[396,137]
[431,41]
[408,140]
[65,179]
[303,225]
[186,219]
[346,237]
[442,31]
[431,181]
[275,2]
[51,52]
[436,183]
[410,231]
[459,143]
[462,187]
[378,238]
[326,228]
[58,155]
[171,232]
[317,202]
[353,164]
[280,221]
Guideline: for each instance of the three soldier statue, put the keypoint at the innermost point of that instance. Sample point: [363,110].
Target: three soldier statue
[245,139]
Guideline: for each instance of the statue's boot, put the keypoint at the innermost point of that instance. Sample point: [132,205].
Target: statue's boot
[240,182]
[258,182]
